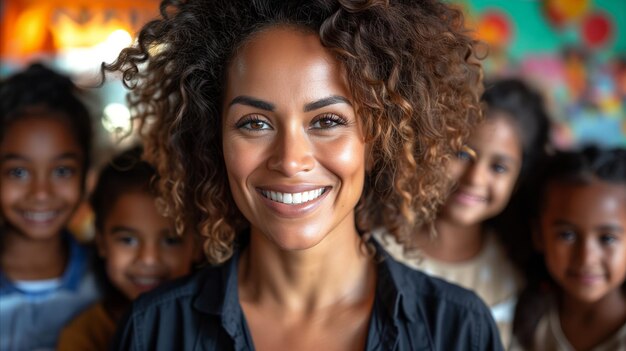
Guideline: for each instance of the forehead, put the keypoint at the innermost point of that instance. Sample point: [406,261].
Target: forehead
[285,64]
[594,201]
[497,135]
[40,136]
[135,207]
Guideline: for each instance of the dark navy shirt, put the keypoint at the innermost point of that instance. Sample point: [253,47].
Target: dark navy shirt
[412,311]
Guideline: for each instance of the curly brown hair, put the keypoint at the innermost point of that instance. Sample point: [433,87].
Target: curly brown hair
[411,67]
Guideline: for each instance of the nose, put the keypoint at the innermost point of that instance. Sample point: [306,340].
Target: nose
[292,152]
[475,173]
[587,252]
[148,254]
[41,188]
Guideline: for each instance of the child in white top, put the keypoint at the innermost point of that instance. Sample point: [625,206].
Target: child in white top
[498,159]
[581,233]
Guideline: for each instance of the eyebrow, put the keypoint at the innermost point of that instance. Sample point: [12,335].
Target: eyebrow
[614,228]
[268,106]
[507,159]
[331,100]
[17,157]
[250,101]
[122,229]
[561,223]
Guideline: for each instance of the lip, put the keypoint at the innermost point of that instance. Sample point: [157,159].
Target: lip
[39,217]
[586,278]
[468,198]
[292,210]
[144,284]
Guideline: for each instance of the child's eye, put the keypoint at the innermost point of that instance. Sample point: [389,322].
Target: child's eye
[463,156]
[327,121]
[172,240]
[466,154]
[567,235]
[63,172]
[498,168]
[18,173]
[253,123]
[127,240]
[607,239]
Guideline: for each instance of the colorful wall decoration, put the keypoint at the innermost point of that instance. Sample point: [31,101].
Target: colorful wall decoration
[574,51]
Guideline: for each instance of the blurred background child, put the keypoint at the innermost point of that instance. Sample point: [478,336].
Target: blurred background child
[45,146]
[498,159]
[581,233]
[138,249]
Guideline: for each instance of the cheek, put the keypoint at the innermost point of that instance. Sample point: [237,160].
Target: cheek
[10,193]
[346,159]
[344,156]
[456,168]
[557,256]
[71,190]
[618,262]
[118,261]
[241,159]
[505,188]
[178,262]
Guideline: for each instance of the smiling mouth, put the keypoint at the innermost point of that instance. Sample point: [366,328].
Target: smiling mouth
[468,197]
[293,198]
[40,216]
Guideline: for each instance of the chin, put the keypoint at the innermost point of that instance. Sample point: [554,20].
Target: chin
[294,240]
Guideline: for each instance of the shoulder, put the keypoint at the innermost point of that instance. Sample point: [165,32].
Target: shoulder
[175,292]
[448,316]
[426,288]
[90,330]
[194,302]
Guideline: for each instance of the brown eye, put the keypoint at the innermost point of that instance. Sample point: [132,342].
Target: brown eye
[328,121]
[253,124]
[256,125]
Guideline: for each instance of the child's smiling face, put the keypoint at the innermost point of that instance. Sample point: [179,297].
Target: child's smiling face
[140,246]
[583,237]
[41,176]
[486,179]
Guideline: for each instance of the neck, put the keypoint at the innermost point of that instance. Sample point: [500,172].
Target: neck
[335,271]
[24,258]
[455,242]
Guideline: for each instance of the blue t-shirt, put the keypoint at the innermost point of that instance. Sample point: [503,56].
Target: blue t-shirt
[32,313]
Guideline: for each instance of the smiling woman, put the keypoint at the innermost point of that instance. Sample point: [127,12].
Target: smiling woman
[284,133]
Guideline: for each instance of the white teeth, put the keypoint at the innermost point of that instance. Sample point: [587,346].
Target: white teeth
[40,216]
[293,198]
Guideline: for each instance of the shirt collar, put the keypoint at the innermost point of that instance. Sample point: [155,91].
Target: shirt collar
[72,276]
[392,285]
[220,296]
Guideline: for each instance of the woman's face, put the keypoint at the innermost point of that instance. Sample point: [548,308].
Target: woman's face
[486,179]
[293,146]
